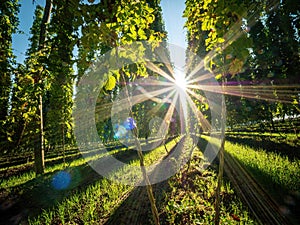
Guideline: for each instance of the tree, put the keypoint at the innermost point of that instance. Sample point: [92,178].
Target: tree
[38,75]
[111,24]
[8,26]
[272,65]
[22,113]
[59,96]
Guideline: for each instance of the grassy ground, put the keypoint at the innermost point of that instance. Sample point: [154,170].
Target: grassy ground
[269,160]
[186,198]
[273,163]
[87,197]
[191,196]
[268,166]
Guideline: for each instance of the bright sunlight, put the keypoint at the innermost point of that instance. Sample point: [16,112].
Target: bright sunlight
[180,79]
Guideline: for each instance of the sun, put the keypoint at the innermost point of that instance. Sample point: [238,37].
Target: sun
[180,80]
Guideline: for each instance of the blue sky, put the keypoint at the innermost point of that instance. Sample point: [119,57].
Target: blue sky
[174,22]
[20,41]
[172,14]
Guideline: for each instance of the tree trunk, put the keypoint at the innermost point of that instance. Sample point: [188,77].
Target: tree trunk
[39,146]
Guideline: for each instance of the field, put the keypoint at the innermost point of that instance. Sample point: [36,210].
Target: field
[149,112]
[71,192]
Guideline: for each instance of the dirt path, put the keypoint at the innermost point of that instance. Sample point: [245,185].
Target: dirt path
[136,209]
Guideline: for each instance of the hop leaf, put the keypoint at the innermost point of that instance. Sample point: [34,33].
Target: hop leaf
[111,83]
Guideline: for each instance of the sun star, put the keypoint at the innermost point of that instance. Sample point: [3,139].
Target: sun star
[180,80]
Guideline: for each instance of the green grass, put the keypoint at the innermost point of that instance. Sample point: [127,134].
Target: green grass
[192,195]
[189,200]
[94,204]
[26,176]
[287,138]
[262,164]
[22,178]
[84,207]
[17,180]
[273,170]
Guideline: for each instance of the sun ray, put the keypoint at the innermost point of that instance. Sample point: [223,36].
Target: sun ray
[195,70]
[200,78]
[158,70]
[163,129]
[161,103]
[149,82]
[200,117]
[183,105]
[164,56]
[197,96]
[269,88]
[138,98]
[152,97]
[252,95]
[105,110]
[230,37]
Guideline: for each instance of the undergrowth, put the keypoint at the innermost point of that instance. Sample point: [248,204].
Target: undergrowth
[191,197]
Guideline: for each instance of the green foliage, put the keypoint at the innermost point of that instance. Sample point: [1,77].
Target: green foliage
[48,71]
[59,97]
[120,25]
[22,110]
[276,51]
[220,27]
[30,81]
[35,30]
[8,25]
[252,42]
[111,83]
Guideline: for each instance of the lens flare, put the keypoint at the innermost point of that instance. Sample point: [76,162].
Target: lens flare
[61,180]
[180,80]
[170,93]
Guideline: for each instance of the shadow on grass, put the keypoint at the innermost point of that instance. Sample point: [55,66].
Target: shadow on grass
[136,208]
[31,198]
[257,142]
[51,159]
[287,200]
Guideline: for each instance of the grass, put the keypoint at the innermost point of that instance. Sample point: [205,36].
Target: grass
[191,197]
[20,179]
[84,207]
[17,180]
[51,166]
[273,170]
[94,204]
[288,138]
[262,164]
